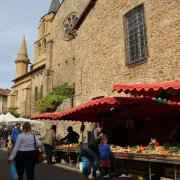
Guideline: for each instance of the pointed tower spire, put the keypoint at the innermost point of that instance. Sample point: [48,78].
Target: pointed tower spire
[22,55]
[22,60]
[55,4]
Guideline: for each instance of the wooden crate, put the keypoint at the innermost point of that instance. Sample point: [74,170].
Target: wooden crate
[164,178]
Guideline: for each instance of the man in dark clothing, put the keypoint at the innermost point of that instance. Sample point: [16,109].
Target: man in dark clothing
[1,135]
[72,136]
[5,137]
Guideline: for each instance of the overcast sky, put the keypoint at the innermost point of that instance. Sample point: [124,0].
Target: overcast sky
[18,18]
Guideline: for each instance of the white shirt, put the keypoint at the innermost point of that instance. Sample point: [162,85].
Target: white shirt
[25,142]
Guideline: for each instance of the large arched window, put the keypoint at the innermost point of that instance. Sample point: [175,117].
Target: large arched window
[43,27]
[36,94]
[41,91]
[39,48]
[44,45]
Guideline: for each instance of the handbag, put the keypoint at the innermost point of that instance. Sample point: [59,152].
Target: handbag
[9,148]
[92,144]
[39,156]
[13,172]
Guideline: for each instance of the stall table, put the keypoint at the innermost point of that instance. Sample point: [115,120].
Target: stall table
[69,151]
[170,159]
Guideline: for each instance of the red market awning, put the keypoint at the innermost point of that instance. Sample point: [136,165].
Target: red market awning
[44,116]
[167,90]
[95,110]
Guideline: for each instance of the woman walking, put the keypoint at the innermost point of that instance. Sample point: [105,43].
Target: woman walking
[25,153]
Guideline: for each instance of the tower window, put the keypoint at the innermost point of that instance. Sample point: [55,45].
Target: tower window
[43,27]
[39,47]
[44,44]
[136,37]
[36,94]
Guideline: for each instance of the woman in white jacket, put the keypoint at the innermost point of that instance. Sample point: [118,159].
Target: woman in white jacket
[25,153]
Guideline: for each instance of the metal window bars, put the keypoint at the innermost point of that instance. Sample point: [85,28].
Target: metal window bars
[136,37]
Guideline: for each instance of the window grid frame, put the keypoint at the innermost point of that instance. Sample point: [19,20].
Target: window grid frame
[139,35]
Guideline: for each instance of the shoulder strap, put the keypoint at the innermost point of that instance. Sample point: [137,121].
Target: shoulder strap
[35,144]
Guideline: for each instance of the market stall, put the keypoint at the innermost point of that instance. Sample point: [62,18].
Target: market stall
[169,153]
[123,110]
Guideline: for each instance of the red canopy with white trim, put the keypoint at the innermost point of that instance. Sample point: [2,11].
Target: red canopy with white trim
[167,90]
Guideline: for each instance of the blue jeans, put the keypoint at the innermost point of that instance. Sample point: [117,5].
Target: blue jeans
[94,156]
[4,143]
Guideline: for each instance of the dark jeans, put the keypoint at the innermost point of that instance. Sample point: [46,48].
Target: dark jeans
[94,156]
[104,171]
[49,153]
[26,160]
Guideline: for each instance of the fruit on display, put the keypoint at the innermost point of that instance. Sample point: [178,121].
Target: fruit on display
[141,148]
[165,152]
[155,149]
[156,144]
[68,145]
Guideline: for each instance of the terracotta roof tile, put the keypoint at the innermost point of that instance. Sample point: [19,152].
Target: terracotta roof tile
[4,92]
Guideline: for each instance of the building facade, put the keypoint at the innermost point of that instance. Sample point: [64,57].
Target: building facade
[98,43]
[3,100]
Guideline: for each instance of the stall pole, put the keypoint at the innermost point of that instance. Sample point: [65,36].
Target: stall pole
[82,130]
[149,170]
[175,172]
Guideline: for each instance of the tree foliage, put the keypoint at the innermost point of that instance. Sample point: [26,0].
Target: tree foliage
[13,111]
[50,102]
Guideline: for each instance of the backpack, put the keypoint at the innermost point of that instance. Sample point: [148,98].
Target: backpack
[92,144]
[104,152]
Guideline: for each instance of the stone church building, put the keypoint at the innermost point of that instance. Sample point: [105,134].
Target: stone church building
[96,44]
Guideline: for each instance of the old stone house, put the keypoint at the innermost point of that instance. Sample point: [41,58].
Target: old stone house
[98,43]
[3,100]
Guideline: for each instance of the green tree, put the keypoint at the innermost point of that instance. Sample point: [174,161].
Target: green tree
[50,102]
[13,111]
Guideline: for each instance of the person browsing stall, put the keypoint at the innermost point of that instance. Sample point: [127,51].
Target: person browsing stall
[92,149]
[25,153]
[72,136]
[49,139]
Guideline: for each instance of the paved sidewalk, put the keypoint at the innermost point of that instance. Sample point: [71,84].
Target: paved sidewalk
[43,171]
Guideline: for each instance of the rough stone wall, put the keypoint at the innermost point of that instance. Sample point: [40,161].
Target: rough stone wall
[63,62]
[20,89]
[62,127]
[4,104]
[65,105]
[100,47]
[38,80]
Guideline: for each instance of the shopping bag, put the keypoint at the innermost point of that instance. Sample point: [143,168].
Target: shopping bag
[86,166]
[13,171]
[39,156]
[9,148]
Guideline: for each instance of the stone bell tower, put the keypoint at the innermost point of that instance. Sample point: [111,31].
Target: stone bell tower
[22,60]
